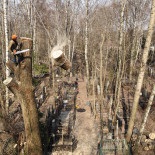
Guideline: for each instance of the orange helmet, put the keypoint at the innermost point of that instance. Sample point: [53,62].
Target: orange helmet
[14,37]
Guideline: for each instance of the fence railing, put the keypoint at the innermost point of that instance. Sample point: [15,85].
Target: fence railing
[116,146]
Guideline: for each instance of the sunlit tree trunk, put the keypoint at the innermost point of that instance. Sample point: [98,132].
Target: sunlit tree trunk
[132,52]
[105,69]
[142,71]
[34,27]
[6,48]
[21,86]
[86,46]
[50,66]
[119,71]
[101,85]
[94,82]
[101,65]
[147,112]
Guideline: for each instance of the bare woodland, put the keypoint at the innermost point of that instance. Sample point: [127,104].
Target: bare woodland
[86,85]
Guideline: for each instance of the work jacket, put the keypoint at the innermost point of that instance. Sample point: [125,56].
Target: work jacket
[13,45]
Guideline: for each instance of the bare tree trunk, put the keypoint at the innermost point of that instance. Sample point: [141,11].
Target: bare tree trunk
[86,47]
[6,47]
[94,82]
[142,71]
[132,52]
[147,112]
[21,87]
[105,68]
[101,65]
[69,48]
[101,85]
[73,48]
[34,32]
[2,45]
[138,44]
[119,72]
[50,66]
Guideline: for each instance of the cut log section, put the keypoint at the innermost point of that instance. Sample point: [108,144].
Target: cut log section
[152,136]
[148,141]
[148,144]
[134,137]
[143,138]
[60,59]
[151,147]
[146,148]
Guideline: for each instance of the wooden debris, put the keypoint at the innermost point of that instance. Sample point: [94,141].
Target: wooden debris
[152,135]
[143,138]
[60,59]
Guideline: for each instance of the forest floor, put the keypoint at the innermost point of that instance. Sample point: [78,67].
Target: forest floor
[86,128]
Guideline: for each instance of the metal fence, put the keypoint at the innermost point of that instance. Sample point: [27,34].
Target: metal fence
[113,146]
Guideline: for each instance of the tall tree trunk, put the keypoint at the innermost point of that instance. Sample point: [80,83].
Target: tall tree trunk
[21,86]
[34,32]
[50,67]
[101,66]
[6,47]
[94,82]
[119,71]
[105,69]
[101,85]
[147,112]
[132,52]
[86,47]
[138,43]
[142,71]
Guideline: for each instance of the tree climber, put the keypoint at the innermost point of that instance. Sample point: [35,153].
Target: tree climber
[13,48]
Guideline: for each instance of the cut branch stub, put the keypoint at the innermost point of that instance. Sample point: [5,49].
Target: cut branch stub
[12,85]
[11,65]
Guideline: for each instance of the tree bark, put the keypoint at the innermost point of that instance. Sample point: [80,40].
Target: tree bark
[147,113]
[119,71]
[142,71]
[86,47]
[101,85]
[21,86]
[6,46]
[132,53]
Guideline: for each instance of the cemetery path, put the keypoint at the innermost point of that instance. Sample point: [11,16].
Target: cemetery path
[85,128]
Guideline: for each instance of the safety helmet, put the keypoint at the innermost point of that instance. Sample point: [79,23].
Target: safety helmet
[14,37]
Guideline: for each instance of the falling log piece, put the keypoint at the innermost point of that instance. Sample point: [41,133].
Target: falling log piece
[60,59]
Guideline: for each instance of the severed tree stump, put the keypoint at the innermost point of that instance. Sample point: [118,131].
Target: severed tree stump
[21,86]
[60,59]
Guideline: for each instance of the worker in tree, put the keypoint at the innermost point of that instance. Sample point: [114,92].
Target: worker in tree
[13,48]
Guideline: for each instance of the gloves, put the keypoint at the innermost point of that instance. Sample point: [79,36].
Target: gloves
[14,51]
